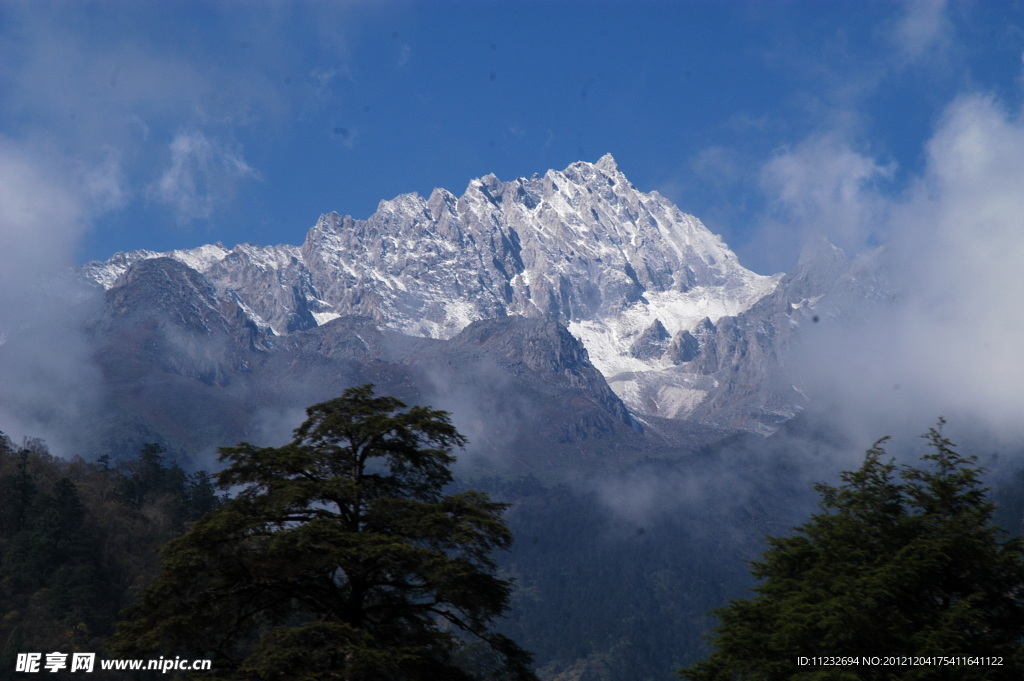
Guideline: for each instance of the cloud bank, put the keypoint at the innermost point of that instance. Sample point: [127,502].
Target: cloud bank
[949,343]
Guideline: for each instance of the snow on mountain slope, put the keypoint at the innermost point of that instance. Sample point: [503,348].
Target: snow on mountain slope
[628,273]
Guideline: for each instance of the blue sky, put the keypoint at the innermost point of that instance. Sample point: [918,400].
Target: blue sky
[129,125]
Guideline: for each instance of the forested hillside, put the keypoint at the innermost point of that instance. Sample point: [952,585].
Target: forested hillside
[601,592]
[78,538]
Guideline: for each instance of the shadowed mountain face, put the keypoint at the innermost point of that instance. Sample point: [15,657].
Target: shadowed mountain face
[544,312]
[188,368]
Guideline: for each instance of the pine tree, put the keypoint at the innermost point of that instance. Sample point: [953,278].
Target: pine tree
[901,561]
[339,557]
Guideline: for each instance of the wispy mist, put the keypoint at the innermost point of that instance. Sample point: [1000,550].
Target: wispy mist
[48,381]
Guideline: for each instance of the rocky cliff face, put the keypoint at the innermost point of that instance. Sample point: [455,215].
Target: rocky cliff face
[661,306]
[187,367]
[578,244]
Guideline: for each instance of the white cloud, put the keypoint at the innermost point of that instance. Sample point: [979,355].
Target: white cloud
[40,217]
[202,172]
[821,186]
[104,184]
[823,183]
[48,382]
[961,234]
[951,343]
[922,30]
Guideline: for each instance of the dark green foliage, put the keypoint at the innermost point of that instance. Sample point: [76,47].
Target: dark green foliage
[72,547]
[9,654]
[901,561]
[147,477]
[340,556]
[17,488]
[1008,495]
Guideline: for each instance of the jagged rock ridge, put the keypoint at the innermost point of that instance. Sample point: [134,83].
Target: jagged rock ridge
[641,284]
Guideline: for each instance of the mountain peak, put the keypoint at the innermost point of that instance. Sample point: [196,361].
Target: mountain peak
[625,271]
[819,248]
[581,244]
[607,164]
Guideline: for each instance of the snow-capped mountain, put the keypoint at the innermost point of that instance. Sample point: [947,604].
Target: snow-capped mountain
[638,281]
